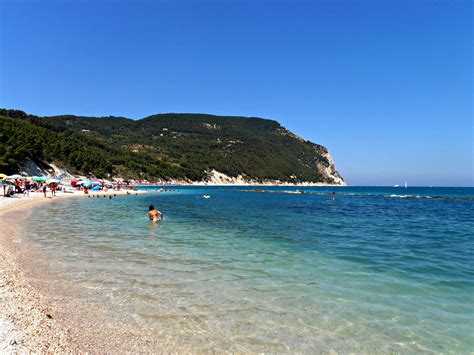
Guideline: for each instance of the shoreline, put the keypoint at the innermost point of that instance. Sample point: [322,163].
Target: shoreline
[269,184]
[28,318]
[168,184]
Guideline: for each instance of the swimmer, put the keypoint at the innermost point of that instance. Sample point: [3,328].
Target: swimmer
[154,215]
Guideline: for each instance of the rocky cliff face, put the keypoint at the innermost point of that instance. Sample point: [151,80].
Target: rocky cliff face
[322,160]
[217,178]
[327,167]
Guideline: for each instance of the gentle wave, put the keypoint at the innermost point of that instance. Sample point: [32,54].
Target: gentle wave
[373,195]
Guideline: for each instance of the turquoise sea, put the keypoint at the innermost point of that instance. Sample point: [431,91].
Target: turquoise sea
[368,269]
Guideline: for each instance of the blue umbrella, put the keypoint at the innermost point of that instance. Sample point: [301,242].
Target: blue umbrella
[86,183]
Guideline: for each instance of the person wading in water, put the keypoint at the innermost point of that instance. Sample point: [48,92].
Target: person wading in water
[154,215]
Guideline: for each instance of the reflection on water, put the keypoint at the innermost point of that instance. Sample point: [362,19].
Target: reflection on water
[275,272]
[153,228]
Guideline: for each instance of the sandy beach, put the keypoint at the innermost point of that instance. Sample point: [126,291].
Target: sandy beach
[29,321]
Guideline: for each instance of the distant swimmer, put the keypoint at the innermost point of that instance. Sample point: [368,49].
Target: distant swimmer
[154,215]
[206,196]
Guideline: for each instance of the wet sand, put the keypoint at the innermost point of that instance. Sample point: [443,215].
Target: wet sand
[38,311]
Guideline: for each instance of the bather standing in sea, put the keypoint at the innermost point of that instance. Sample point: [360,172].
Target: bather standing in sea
[154,215]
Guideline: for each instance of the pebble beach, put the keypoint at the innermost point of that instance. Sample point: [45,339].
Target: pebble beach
[28,322]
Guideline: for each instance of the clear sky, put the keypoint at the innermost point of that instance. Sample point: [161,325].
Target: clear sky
[385,85]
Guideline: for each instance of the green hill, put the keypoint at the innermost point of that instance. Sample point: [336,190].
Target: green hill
[166,146]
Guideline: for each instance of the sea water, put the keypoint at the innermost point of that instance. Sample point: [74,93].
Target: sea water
[274,269]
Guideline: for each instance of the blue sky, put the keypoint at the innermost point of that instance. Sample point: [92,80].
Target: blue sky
[385,85]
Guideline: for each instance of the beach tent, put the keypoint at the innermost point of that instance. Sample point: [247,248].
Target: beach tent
[96,188]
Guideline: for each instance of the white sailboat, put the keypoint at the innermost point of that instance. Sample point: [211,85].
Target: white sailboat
[406,184]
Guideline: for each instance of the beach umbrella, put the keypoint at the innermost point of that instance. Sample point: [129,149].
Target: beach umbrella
[3,176]
[15,176]
[39,178]
[86,183]
[5,182]
[52,181]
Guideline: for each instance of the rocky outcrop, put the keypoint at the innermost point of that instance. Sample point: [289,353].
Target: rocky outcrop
[328,169]
[215,177]
[30,168]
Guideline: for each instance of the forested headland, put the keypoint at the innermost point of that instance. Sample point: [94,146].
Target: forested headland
[163,146]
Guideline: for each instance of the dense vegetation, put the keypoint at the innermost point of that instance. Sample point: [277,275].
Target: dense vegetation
[160,146]
[24,137]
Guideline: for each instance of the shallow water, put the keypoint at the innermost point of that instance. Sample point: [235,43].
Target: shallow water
[364,270]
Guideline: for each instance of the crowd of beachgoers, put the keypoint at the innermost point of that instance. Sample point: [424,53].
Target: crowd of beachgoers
[14,185]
